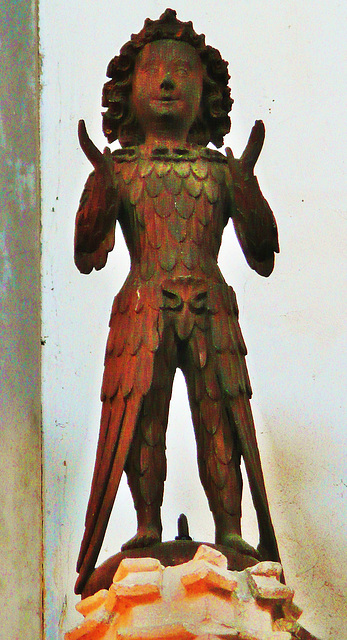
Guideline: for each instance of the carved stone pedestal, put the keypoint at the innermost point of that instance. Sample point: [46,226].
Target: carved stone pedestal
[199,599]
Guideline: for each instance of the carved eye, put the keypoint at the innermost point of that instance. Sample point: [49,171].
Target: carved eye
[146,68]
[182,71]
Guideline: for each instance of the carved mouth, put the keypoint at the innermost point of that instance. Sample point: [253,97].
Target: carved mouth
[167,99]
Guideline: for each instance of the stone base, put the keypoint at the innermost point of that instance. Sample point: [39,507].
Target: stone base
[196,600]
[169,554]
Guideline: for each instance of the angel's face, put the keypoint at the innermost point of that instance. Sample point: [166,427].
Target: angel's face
[167,87]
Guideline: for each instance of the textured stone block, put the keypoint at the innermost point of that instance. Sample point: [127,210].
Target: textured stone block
[197,600]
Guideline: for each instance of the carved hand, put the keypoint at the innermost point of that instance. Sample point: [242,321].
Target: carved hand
[242,169]
[102,162]
[95,215]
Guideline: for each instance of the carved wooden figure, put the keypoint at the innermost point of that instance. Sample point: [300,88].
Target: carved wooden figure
[166,100]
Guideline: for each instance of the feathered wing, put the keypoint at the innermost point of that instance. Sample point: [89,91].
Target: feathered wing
[127,379]
[233,352]
[220,384]
[128,361]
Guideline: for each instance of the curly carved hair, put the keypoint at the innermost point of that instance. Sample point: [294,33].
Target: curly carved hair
[212,123]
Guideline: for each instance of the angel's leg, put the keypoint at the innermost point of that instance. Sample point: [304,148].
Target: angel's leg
[146,463]
[217,446]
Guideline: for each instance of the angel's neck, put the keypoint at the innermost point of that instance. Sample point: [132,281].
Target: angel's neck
[169,139]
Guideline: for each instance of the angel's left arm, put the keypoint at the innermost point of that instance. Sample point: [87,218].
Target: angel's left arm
[254,222]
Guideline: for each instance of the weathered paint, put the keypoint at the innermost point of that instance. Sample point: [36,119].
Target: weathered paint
[20,407]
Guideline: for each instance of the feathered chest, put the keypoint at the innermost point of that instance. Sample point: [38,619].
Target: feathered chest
[174,206]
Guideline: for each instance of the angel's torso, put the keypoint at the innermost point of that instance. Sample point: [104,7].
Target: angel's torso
[173,209]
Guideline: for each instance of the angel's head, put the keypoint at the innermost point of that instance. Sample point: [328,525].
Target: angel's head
[210,104]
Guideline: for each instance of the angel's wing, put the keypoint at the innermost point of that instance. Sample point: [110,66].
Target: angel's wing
[219,378]
[127,378]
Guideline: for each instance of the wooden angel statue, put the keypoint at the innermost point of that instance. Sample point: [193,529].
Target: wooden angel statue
[166,99]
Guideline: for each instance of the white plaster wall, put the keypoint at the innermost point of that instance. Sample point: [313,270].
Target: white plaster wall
[286,61]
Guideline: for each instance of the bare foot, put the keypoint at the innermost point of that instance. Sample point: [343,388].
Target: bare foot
[234,541]
[145,537]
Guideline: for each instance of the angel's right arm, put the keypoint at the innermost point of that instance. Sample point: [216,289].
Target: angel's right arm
[98,209]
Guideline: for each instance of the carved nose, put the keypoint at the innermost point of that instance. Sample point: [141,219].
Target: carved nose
[167,83]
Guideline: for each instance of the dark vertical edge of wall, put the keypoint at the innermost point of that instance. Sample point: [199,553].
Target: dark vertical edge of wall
[21,579]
